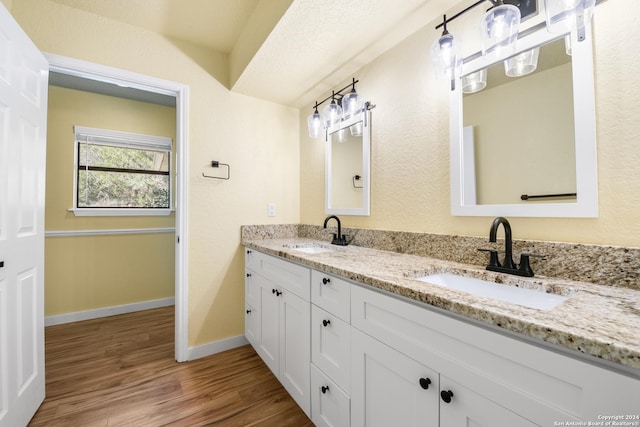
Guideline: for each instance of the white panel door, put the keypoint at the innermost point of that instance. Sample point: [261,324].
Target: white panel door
[295,348]
[388,388]
[23,116]
[269,311]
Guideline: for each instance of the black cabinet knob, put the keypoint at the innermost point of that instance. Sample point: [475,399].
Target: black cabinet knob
[248,251]
[324,389]
[326,322]
[276,292]
[248,274]
[326,280]
[424,383]
[446,396]
[248,311]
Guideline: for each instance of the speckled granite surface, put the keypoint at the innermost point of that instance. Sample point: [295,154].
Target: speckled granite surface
[602,321]
[602,265]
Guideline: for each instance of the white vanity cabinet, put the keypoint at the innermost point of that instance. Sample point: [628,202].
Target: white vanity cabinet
[278,315]
[330,350]
[493,379]
[351,355]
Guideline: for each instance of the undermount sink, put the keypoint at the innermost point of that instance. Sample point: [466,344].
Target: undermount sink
[526,297]
[308,248]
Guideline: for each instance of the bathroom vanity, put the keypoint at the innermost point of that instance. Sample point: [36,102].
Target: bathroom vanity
[358,337]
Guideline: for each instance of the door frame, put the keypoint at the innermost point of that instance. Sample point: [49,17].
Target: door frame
[102,73]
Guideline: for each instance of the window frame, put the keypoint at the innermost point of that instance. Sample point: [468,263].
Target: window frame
[83,134]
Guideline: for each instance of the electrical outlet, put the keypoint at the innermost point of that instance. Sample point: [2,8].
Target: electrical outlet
[271,209]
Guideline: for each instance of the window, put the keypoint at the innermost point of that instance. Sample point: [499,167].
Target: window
[121,173]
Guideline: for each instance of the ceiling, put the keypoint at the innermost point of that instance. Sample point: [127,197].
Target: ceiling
[287,51]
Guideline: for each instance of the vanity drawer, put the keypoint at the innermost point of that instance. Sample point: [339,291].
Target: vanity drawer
[330,406]
[331,346]
[292,277]
[332,294]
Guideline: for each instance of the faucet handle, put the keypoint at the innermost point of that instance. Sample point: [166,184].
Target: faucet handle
[525,267]
[493,256]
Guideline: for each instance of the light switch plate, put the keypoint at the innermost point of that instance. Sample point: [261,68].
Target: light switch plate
[271,209]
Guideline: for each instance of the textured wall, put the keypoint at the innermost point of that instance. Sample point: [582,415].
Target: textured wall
[258,139]
[410,143]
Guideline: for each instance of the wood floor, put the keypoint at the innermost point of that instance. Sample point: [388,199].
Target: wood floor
[120,371]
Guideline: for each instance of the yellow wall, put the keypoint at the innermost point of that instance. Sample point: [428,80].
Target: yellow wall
[410,142]
[88,272]
[259,139]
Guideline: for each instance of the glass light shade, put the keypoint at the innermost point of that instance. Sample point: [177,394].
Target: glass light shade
[351,104]
[522,64]
[566,15]
[446,54]
[314,123]
[331,114]
[499,31]
[474,82]
[342,134]
[356,129]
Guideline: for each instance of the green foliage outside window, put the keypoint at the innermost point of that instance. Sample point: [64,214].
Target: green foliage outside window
[122,177]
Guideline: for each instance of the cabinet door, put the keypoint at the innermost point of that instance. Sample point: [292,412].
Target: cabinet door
[295,348]
[329,403]
[251,309]
[468,408]
[388,388]
[268,347]
[330,346]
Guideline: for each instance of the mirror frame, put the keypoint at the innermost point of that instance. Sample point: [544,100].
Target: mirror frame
[365,118]
[586,205]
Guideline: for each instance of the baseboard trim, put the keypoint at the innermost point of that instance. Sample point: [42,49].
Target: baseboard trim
[216,347]
[107,311]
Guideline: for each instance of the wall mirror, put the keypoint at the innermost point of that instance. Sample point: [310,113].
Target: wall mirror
[347,160]
[525,146]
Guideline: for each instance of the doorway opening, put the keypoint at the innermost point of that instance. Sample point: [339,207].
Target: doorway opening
[120,83]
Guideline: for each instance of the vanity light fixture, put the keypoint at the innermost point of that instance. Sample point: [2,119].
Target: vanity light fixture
[499,32]
[342,107]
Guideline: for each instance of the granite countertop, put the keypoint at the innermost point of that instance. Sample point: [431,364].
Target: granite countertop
[602,321]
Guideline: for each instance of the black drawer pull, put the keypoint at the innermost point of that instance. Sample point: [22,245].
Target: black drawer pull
[326,322]
[324,389]
[446,395]
[276,292]
[424,383]
[248,274]
[248,311]
[326,280]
